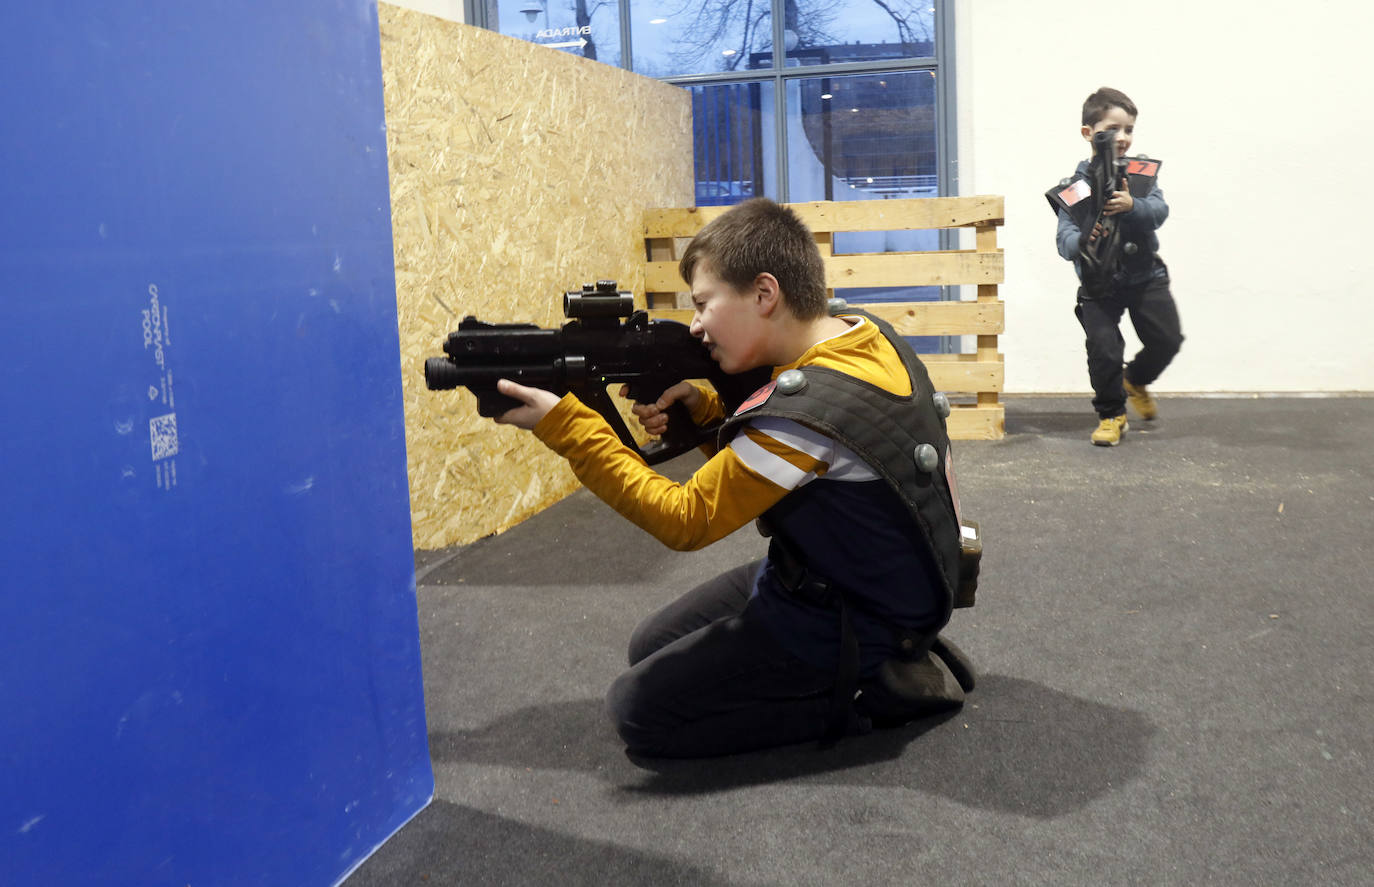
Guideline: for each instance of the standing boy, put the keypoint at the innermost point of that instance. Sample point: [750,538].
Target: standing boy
[864,552]
[1139,282]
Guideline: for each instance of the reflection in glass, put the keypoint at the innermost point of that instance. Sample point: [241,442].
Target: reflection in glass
[589,28]
[681,37]
[832,31]
[867,137]
[678,37]
[862,136]
[732,158]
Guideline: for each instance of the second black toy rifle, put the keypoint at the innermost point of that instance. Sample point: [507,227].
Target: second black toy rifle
[605,341]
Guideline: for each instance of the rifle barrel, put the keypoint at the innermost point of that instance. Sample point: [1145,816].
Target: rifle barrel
[442,373]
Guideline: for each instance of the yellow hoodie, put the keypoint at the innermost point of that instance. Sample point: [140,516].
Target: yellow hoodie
[763,464]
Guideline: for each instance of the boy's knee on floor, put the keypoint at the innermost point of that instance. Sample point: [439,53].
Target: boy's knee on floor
[643,643]
[625,704]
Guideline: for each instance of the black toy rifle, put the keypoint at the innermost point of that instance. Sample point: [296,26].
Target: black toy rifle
[1099,255]
[1085,198]
[605,341]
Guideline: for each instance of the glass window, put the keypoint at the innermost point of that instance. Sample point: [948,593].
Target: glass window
[679,37]
[589,28]
[862,136]
[867,137]
[873,132]
[827,32]
[675,38]
[734,152]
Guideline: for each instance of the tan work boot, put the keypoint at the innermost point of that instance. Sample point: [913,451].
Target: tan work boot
[1109,431]
[1141,400]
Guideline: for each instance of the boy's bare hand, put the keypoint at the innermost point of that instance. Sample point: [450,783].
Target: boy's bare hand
[1119,202]
[537,403]
[654,416]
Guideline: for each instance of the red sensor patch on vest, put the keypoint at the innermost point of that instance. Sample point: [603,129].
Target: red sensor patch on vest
[757,397]
[1079,190]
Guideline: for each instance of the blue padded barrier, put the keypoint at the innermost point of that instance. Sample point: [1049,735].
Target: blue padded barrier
[209,651]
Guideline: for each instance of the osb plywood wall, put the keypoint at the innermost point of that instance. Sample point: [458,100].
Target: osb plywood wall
[517,172]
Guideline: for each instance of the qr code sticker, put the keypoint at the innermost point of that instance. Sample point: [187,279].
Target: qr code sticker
[163,431]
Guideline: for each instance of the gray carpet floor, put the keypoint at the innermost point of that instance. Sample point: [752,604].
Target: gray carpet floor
[1175,644]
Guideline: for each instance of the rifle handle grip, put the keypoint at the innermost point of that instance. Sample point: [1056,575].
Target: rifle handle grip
[681,429]
[492,403]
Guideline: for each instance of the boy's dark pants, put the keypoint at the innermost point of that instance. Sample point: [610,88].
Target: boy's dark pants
[707,678]
[1155,318]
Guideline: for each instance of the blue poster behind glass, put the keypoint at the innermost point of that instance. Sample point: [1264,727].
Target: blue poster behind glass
[209,652]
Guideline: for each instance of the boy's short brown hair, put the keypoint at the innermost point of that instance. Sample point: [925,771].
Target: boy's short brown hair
[1099,103]
[759,236]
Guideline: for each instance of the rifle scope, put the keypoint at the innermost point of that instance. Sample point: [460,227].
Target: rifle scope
[598,300]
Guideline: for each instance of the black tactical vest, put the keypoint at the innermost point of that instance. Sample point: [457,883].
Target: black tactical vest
[903,439]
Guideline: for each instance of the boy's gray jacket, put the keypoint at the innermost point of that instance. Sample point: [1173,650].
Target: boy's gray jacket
[903,439]
[1137,226]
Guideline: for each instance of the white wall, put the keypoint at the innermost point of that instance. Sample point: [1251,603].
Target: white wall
[1261,114]
[449,9]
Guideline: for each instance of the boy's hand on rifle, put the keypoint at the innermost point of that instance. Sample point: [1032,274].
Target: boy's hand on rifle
[654,416]
[537,403]
[1119,202]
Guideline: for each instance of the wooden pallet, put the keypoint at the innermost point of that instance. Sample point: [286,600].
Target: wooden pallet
[974,380]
